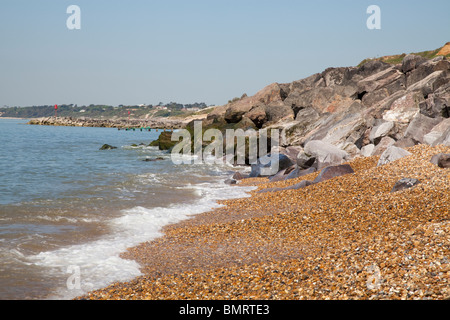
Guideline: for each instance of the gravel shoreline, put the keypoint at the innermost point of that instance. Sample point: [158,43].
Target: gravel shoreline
[345,238]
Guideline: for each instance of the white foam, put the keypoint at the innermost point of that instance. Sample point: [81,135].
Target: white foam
[99,262]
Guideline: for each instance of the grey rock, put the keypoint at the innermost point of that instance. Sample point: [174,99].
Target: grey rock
[239,176]
[437,132]
[420,126]
[277,111]
[442,160]
[276,162]
[405,143]
[299,173]
[411,61]
[392,154]
[293,151]
[230,181]
[333,171]
[367,150]
[379,80]
[404,108]
[404,183]
[305,161]
[372,67]
[280,176]
[381,147]
[258,116]
[107,147]
[326,154]
[431,83]
[381,131]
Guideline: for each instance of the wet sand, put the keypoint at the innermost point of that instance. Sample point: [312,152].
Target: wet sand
[345,238]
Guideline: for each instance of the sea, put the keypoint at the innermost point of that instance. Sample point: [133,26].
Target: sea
[68,209]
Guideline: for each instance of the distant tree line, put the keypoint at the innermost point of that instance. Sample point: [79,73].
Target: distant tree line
[94,111]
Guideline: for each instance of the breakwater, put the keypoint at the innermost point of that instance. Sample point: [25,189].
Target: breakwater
[156,123]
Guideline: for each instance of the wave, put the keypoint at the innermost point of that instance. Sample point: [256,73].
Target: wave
[99,263]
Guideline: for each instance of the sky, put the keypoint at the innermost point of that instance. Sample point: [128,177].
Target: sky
[148,51]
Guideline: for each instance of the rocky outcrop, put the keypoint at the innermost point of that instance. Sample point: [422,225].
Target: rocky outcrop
[360,111]
[107,147]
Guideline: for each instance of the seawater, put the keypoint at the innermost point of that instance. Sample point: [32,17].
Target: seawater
[68,209]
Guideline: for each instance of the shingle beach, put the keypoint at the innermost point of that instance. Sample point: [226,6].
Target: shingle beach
[345,238]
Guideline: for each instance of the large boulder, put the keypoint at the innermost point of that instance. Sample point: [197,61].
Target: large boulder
[239,176]
[280,176]
[235,112]
[340,127]
[333,172]
[411,62]
[404,109]
[293,151]
[379,80]
[420,126]
[384,144]
[165,141]
[430,83]
[405,143]
[339,76]
[217,115]
[392,154]
[381,131]
[304,161]
[277,110]
[367,150]
[270,165]
[325,153]
[441,160]
[298,172]
[258,116]
[425,69]
[271,93]
[443,138]
[371,67]
[437,104]
[307,121]
[323,99]
[350,129]
[107,147]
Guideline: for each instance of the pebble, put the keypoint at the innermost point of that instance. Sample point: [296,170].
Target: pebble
[345,238]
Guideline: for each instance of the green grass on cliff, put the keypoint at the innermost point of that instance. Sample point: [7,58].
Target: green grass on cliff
[396,59]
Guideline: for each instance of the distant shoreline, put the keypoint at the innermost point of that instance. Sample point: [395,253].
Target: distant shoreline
[13,118]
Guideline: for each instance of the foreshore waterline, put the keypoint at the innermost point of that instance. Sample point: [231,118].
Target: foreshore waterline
[66,205]
[346,238]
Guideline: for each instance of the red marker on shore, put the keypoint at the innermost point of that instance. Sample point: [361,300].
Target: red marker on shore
[56,110]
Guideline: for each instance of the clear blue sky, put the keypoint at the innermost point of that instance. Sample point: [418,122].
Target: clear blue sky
[145,51]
